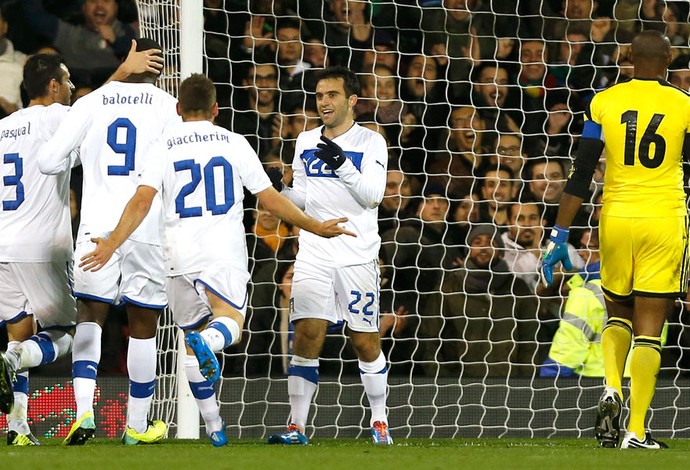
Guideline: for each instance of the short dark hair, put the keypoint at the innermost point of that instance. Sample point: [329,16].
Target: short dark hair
[350,82]
[39,70]
[144,44]
[197,94]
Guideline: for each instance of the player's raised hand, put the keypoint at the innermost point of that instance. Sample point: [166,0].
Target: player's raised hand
[330,228]
[556,252]
[330,152]
[150,60]
[98,257]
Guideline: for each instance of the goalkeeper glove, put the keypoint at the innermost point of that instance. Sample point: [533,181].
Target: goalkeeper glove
[276,178]
[330,153]
[556,252]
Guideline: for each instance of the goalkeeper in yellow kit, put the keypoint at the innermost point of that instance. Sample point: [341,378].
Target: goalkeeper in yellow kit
[642,126]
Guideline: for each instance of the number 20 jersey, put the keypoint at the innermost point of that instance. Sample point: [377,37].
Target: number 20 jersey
[113,127]
[34,212]
[201,169]
[643,125]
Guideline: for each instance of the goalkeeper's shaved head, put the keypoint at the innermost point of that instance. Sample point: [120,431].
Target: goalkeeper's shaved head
[651,46]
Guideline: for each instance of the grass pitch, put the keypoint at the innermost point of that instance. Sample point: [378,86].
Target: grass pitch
[475,454]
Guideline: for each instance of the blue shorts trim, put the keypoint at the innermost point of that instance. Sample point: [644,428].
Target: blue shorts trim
[238,307]
[15,318]
[126,299]
[80,296]
[196,325]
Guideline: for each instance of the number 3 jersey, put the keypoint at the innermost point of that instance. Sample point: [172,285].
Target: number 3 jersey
[201,169]
[353,191]
[113,128]
[34,216]
[643,124]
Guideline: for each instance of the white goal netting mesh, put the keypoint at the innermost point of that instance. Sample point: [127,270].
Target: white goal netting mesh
[482,103]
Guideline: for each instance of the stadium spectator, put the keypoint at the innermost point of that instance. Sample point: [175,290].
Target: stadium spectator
[395,206]
[483,322]
[523,241]
[545,179]
[679,72]
[11,69]
[349,32]
[254,112]
[384,52]
[380,97]
[430,248]
[92,50]
[316,54]
[293,77]
[464,159]
[497,190]
[494,95]
[510,153]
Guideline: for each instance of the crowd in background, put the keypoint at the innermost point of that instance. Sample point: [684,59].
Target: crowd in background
[481,103]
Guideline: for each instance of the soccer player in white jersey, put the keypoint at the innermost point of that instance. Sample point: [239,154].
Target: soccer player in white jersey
[338,167]
[200,170]
[112,128]
[35,236]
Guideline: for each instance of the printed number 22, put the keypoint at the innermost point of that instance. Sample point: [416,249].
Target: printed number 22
[128,147]
[357,296]
[14,180]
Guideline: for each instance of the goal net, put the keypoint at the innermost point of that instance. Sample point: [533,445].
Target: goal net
[482,104]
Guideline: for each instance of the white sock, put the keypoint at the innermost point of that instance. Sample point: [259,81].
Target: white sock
[375,379]
[204,394]
[86,354]
[141,366]
[42,348]
[16,420]
[303,378]
[220,333]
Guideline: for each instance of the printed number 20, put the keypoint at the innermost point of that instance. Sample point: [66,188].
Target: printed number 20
[128,148]
[629,118]
[209,185]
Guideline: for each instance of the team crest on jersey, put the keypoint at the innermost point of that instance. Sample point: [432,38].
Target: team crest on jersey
[317,168]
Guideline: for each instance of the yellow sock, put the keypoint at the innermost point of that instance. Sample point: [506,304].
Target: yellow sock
[615,343]
[644,367]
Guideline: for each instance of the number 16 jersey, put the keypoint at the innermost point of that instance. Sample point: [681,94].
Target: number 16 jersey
[643,124]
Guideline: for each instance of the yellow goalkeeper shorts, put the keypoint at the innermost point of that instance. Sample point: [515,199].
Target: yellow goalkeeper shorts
[645,256]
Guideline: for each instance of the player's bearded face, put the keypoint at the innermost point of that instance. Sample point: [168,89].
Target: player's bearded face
[332,102]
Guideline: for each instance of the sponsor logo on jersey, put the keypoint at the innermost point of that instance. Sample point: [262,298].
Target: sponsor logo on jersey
[17,132]
[315,167]
[141,98]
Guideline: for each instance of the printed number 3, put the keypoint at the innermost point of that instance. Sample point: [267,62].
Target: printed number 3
[128,147]
[366,310]
[14,180]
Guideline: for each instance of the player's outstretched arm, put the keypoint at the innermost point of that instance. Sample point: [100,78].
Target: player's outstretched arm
[134,213]
[150,60]
[281,207]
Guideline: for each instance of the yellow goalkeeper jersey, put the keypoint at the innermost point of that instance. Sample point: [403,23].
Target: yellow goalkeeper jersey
[643,125]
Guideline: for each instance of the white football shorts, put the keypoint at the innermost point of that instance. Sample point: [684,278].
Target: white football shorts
[135,274]
[40,289]
[187,293]
[349,293]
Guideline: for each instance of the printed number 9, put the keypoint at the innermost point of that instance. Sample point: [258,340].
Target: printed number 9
[128,148]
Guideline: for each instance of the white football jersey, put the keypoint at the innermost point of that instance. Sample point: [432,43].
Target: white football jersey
[201,169]
[113,127]
[34,216]
[354,191]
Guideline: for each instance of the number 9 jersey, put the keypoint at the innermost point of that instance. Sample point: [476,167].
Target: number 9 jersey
[643,124]
[113,127]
